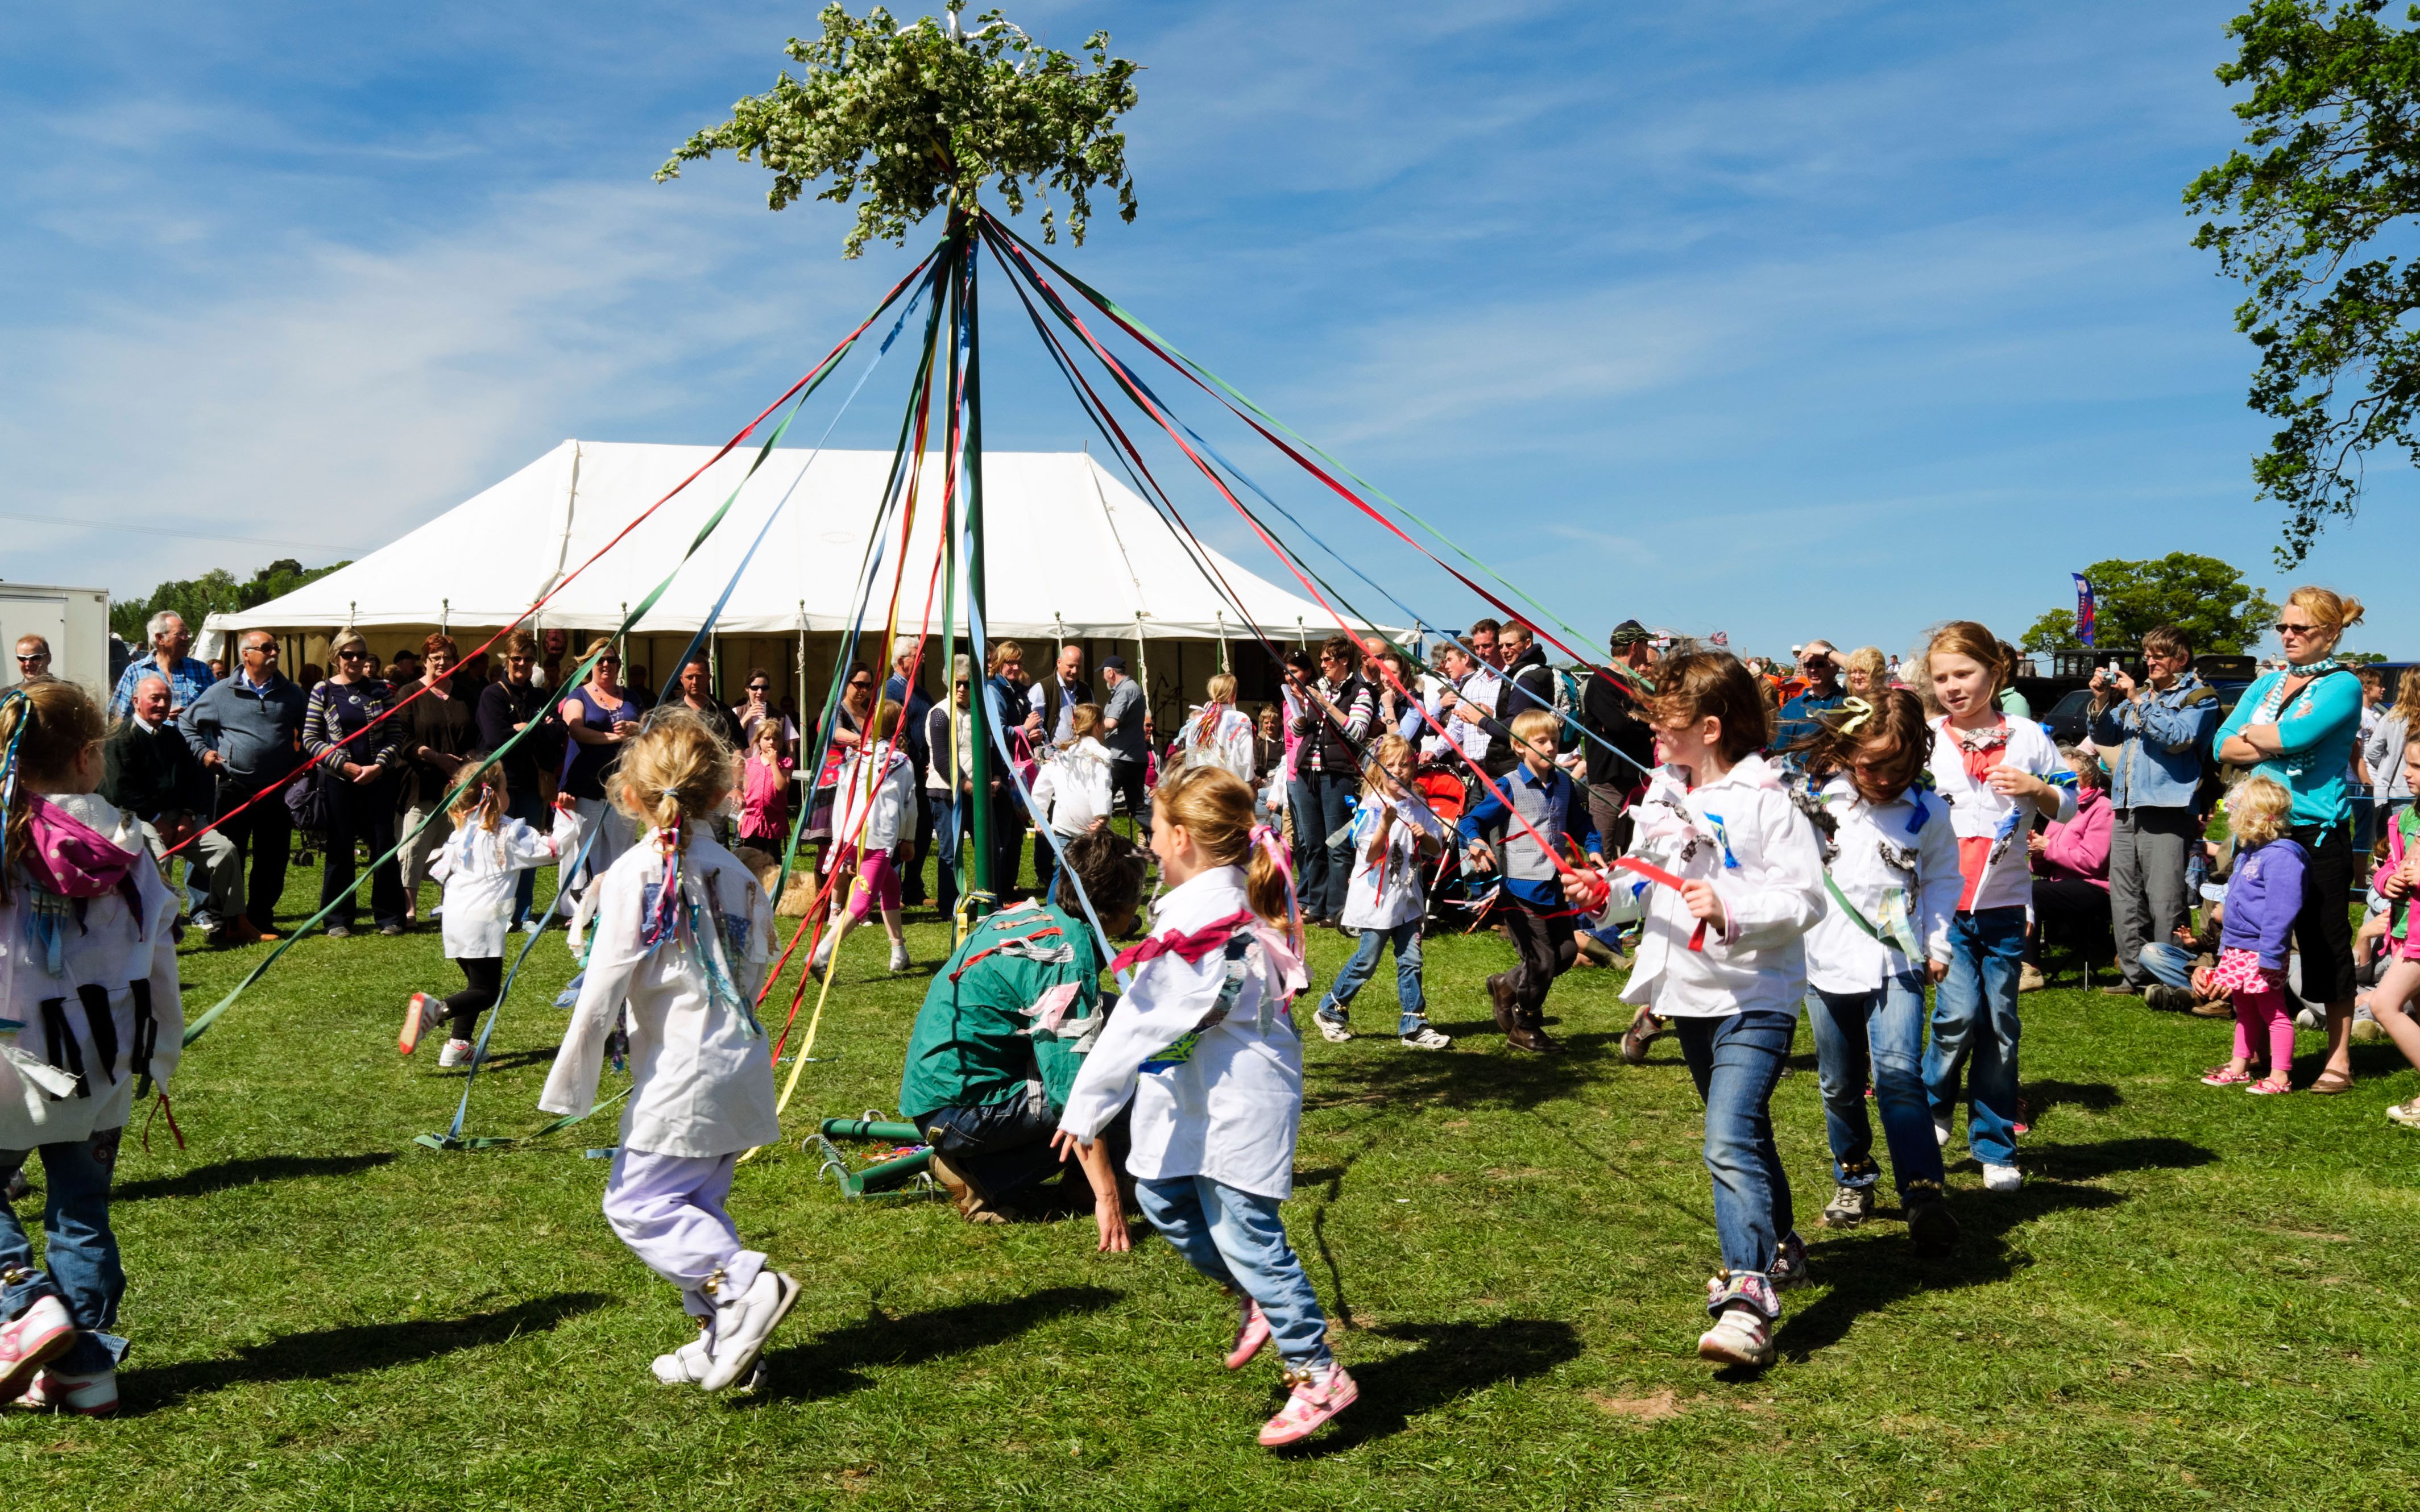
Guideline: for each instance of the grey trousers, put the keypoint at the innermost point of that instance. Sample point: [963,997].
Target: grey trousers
[2147,849]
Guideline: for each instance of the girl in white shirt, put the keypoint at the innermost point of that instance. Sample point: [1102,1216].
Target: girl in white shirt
[1723,958]
[1392,834]
[878,789]
[1217,734]
[1204,1046]
[680,947]
[480,870]
[1997,774]
[1073,789]
[1892,883]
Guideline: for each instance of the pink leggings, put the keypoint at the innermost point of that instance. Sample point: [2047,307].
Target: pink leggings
[2255,1011]
[875,885]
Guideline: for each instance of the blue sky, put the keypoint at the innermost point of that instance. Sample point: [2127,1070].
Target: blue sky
[1782,319]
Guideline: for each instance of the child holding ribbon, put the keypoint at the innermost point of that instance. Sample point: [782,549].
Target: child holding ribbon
[1997,774]
[1722,958]
[2264,895]
[1204,1046]
[88,972]
[1527,814]
[679,943]
[1891,883]
[1074,789]
[1386,901]
[877,800]
[480,870]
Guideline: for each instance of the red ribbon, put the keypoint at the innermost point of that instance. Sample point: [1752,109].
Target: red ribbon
[1189,948]
[1656,873]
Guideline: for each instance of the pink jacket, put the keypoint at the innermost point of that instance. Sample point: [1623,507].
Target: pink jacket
[2080,847]
[765,799]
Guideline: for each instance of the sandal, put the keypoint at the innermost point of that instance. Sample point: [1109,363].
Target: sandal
[2224,1076]
[2331,1083]
[2265,1088]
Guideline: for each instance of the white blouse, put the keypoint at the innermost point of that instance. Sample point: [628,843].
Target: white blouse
[1896,863]
[1389,891]
[481,870]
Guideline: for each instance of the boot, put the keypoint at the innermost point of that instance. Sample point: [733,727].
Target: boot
[973,1203]
[1499,998]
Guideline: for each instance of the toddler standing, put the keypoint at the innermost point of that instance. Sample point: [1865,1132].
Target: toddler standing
[2263,896]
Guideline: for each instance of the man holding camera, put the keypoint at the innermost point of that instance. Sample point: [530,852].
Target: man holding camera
[2154,736]
[1820,665]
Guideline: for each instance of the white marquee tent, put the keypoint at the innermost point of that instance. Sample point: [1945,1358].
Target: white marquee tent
[1072,553]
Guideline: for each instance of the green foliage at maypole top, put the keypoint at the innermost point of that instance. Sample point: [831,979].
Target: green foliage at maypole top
[907,119]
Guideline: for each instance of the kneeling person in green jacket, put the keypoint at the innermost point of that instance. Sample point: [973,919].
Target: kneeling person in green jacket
[1003,1031]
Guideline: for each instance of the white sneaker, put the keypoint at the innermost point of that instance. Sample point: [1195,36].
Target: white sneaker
[2002,1178]
[83,1395]
[1740,1337]
[1335,1031]
[39,1334]
[686,1365]
[899,961]
[742,1325]
[1426,1038]
[531,926]
[457,1053]
[1941,1133]
[422,1012]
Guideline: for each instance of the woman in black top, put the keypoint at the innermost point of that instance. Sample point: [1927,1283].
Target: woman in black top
[363,811]
[514,705]
[441,741]
[598,716]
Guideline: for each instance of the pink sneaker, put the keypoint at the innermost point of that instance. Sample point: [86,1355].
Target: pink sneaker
[33,1340]
[422,1013]
[1252,1331]
[83,1395]
[1316,1398]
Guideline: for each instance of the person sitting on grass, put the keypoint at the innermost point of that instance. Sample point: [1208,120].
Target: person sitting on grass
[2262,898]
[88,973]
[1394,835]
[679,948]
[1005,1028]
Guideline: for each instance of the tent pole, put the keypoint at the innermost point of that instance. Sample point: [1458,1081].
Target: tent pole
[802,692]
[1223,641]
[1142,658]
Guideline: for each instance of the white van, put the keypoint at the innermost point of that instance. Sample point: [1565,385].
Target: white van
[75,621]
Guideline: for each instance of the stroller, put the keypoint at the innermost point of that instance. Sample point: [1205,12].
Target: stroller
[1458,903]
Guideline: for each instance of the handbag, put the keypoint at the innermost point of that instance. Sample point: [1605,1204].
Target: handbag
[311,799]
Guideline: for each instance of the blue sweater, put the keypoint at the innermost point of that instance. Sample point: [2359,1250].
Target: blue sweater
[2262,899]
[2316,728]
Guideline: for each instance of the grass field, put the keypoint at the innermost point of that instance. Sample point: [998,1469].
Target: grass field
[2201,1299]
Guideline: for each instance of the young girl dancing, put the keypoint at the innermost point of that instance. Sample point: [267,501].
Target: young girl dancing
[1891,881]
[2264,894]
[90,1019]
[1997,774]
[878,788]
[1073,789]
[1386,899]
[680,941]
[480,871]
[1204,1045]
[1217,734]
[1723,960]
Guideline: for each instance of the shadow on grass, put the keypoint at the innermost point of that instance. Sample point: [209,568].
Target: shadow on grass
[833,1364]
[2095,1097]
[1482,1074]
[204,1179]
[1871,1271]
[330,1353]
[1453,1360]
[506,1059]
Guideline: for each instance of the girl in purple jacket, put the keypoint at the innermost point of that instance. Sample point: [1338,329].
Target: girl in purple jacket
[2262,898]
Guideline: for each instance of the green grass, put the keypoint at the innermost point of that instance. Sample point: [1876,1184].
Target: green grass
[2201,1299]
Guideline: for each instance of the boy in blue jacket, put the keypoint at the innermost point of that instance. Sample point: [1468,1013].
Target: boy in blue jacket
[1542,795]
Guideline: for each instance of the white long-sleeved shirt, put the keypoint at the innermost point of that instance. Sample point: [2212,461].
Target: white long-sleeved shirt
[1224,741]
[1389,891]
[1977,812]
[700,1067]
[1215,1096]
[1741,833]
[107,945]
[1073,786]
[886,808]
[1895,860]
[480,869]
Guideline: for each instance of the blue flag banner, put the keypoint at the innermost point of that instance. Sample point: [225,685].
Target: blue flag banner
[2083,609]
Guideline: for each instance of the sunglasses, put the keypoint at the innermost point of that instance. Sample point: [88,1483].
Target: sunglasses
[609,661]
[860,684]
[759,688]
[2283,628]
[352,656]
[36,657]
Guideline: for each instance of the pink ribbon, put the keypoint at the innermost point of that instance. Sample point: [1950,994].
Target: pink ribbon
[1274,844]
[69,856]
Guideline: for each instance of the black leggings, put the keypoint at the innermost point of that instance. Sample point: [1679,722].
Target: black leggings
[486,975]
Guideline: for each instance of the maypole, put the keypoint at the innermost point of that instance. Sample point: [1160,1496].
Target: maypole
[906,120]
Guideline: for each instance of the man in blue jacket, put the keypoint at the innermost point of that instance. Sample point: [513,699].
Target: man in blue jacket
[2155,735]
[247,733]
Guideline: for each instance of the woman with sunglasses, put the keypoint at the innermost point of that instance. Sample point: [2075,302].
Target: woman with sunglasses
[2297,726]
[598,716]
[341,706]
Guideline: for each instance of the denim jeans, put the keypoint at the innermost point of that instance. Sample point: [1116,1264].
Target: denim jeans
[1877,1034]
[1412,1005]
[1236,1239]
[949,830]
[531,810]
[1975,1020]
[2167,963]
[363,812]
[80,1251]
[1004,1148]
[1323,804]
[1735,1062]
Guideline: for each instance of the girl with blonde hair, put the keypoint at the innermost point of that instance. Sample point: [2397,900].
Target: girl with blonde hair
[2297,727]
[873,819]
[679,951]
[1217,734]
[1386,899]
[1074,789]
[1204,1046]
[2264,894]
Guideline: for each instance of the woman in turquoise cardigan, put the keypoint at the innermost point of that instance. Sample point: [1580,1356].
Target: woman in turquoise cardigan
[2299,726]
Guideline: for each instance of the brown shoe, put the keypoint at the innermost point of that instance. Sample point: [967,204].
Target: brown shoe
[1645,1028]
[1499,998]
[1529,1037]
[2218,1009]
[975,1205]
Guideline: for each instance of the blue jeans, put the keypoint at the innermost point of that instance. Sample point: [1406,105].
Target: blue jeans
[2168,963]
[1735,1062]
[949,832]
[80,1251]
[1878,1034]
[1236,1239]
[1322,803]
[531,810]
[1412,1003]
[1975,1018]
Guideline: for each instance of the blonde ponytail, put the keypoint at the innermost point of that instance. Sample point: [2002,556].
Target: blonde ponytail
[1215,808]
